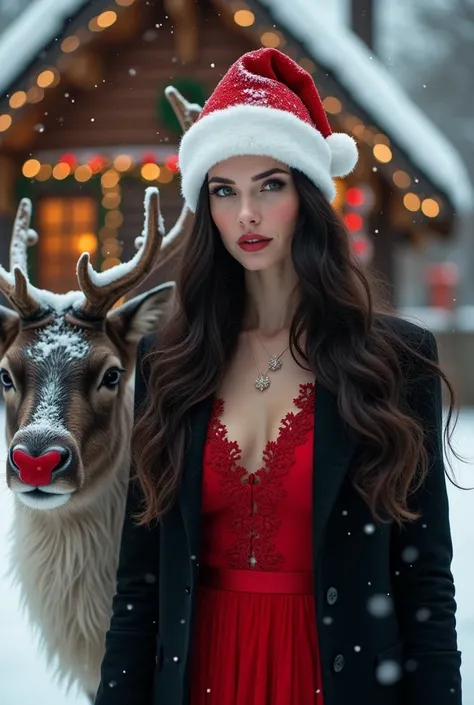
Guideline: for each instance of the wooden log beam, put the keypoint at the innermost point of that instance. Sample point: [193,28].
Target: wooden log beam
[184,16]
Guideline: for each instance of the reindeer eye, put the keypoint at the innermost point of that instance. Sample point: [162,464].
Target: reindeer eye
[112,377]
[6,380]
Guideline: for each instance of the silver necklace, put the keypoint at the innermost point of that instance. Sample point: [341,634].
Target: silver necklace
[262,382]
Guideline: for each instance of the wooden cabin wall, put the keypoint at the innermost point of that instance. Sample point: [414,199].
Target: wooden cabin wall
[122,111]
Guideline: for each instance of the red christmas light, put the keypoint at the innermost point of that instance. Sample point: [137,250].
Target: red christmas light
[353,221]
[68,159]
[360,246]
[355,197]
[149,158]
[171,163]
[96,164]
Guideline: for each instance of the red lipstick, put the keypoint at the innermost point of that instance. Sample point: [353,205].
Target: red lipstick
[252,242]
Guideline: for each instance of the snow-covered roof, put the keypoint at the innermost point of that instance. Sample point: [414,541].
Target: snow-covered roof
[365,78]
[28,35]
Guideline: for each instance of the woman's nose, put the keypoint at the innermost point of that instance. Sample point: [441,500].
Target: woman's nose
[248,215]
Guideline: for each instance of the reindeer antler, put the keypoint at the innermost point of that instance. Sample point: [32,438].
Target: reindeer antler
[14,284]
[103,289]
[187,114]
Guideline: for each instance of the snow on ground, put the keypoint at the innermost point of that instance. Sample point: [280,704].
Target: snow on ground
[23,675]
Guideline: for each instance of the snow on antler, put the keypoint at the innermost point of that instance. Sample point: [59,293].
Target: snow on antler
[103,289]
[22,237]
[14,284]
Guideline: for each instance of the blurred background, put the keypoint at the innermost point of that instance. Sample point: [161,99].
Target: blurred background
[85,127]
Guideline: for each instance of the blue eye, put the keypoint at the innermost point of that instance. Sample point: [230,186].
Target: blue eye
[275,182]
[6,380]
[215,191]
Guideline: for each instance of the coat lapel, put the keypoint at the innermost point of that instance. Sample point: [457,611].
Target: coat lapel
[334,447]
[191,482]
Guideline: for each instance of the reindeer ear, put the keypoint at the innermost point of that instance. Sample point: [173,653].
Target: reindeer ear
[142,314]
[9,328]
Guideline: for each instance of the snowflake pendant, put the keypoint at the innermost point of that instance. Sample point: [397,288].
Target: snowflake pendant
[274,363]
[262,382]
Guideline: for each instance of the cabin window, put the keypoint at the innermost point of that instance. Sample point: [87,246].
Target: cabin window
[66,227]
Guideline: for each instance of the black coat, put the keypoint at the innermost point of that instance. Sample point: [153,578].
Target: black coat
[147,660]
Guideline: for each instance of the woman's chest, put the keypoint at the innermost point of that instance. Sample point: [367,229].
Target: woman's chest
[251,422]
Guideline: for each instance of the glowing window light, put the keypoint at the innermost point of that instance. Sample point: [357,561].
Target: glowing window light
[382,153]
[87,242]
[270,39]
[401,179]
[244,18]
[31,168]
[61,171]
[17,100]
[150,172]
[106,19]
[430,207]
[332,105]
[122,162]
[411,202]
[124,3]
[70,44]
[5,122]
[83,173]
[46,78]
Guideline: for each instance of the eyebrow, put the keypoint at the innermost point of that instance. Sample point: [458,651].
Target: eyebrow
[263,175]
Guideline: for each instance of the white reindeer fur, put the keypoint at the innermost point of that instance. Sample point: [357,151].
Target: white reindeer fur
[65,566]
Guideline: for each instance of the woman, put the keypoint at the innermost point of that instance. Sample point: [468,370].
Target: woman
[287,540]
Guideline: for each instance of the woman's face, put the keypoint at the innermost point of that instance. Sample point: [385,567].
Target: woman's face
[250,198]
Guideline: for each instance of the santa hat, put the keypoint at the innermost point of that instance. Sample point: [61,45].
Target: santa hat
[266,105]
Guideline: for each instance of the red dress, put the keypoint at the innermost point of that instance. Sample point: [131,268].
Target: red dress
[255,636]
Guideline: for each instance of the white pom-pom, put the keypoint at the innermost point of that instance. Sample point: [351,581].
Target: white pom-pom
[32,237]
[344,153]
[139,242]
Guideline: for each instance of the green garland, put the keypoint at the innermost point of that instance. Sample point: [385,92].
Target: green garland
[191,89]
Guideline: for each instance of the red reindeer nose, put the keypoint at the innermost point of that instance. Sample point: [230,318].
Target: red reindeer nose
[36,471]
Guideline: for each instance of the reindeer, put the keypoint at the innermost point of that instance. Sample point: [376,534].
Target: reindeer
[66,368]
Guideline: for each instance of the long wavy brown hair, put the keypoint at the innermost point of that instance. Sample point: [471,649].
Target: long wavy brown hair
[348,346]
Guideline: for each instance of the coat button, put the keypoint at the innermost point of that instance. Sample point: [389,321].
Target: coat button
[187,590]
[338,664]
[331,596]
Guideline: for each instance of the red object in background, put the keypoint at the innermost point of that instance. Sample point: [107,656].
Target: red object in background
[362,247]
[355,197]
[96,164]
[171,163]
[442,279]
[353,221]
[68,159]
[149,158]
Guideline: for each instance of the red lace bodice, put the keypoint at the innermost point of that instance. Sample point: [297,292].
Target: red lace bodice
[260,520]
